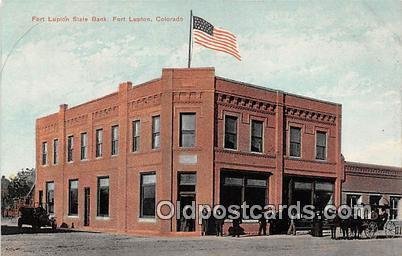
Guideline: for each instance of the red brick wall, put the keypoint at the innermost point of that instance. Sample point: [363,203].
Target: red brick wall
[180,90]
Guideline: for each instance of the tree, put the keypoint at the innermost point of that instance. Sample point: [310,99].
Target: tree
[20,185]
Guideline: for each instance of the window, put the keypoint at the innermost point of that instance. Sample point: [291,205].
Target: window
[156,132]
[187,130]
[136,135]
[321,146]
[103,196]
[70,148]
[295,141]
[353,200]
[374,200]
[115,140]
[147,207]
[256,136]
[55,151]
[394,201]
[73,197]
[99,142]
[84,146]
[44,153]
[237,188]
[230,132]
[50,197]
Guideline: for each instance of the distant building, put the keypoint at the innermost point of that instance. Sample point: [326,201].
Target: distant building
[187,136]
[375,185]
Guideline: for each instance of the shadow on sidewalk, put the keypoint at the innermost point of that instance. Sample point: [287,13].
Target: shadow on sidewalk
[14,230]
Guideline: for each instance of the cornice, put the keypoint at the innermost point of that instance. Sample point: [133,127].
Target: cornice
[245,103]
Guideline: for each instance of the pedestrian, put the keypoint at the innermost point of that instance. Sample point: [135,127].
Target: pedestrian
[263,224]
[236,225]
[204,223]
[292,226]
[219,220]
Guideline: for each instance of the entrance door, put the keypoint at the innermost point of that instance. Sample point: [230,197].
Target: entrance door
[184,224]
[186,196]
[87,195]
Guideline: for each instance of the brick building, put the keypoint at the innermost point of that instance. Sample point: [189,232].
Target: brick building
[374,185]
[189,135]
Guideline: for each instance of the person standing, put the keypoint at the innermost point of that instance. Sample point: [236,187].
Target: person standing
[263,225]
[219,220]
[204,224]
[292,226]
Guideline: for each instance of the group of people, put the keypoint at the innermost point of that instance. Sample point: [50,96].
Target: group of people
[235,230]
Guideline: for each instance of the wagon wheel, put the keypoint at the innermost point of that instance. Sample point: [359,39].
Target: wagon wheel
[371,229]
[390,229]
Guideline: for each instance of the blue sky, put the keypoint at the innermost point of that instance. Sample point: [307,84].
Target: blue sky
[347,52]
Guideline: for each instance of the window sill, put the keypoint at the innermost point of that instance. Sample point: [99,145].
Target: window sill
[102,218]
[70,162]
[147,220]
[73,216]
[231,149]
[85,160]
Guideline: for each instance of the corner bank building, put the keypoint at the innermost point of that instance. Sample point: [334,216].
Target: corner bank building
[187,136]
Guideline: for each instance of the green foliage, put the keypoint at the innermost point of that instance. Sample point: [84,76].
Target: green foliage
[20,185]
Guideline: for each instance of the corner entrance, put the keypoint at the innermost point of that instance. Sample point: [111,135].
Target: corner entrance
[186,197]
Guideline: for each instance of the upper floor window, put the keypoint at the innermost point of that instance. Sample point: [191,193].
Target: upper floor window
[156,132]
[136,135]
[230,132]
[70,148]
[256,136]
[55,151]
[115,140]
[295,142]
[99,142]
[84,146]
[187,130]
[44,153]
[321,145]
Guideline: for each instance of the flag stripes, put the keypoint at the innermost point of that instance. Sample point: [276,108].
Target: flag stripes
[205,34]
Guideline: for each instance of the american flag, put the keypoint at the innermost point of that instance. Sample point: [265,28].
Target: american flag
[214,38]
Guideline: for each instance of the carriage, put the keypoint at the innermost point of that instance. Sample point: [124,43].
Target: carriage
[379,220]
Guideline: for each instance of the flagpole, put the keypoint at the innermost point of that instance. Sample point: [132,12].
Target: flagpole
[189,39]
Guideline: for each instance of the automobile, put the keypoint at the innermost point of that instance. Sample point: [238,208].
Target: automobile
[37,217]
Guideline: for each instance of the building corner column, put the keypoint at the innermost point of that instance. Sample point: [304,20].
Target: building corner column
[275,193]
[123,138]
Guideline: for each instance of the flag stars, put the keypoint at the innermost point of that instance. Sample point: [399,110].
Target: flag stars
[203,25]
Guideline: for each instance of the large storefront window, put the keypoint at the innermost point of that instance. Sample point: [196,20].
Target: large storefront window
[238,187]
[353,200]
[308,191]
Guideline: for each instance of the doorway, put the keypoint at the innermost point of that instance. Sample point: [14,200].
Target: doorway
[186,197]
[40,203]
[87,195]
